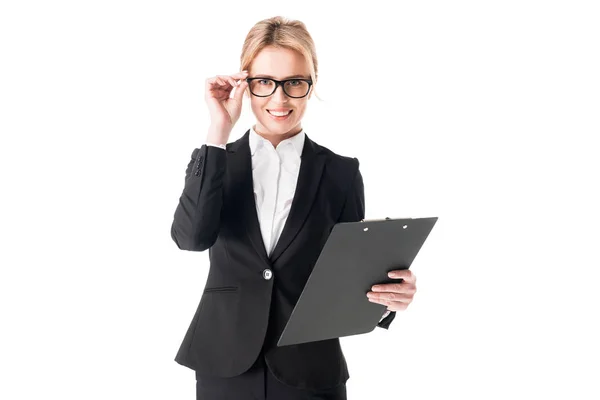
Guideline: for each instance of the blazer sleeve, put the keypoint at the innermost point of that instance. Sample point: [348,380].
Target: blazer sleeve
[354,210]
[197,217]
[354,205]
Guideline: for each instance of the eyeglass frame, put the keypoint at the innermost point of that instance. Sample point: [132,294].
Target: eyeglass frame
[280,83]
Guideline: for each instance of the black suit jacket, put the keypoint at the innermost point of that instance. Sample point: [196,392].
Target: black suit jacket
[248,296]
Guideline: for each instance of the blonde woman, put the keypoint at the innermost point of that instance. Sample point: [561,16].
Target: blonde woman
[263,206]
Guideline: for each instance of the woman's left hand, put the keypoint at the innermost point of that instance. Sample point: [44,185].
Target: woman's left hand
[396,296]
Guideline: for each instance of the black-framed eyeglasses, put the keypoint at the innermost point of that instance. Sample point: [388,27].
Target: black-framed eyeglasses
[294,87]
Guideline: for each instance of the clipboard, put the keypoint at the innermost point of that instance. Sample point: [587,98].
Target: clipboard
[356,256]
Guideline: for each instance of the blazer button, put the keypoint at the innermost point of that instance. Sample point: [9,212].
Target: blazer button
[267,274]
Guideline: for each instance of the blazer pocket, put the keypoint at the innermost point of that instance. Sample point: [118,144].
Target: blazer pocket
[221,289]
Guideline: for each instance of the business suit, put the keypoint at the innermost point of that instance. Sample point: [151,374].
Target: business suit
[249,295]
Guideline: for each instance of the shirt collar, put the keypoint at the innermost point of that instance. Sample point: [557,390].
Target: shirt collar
[256,141]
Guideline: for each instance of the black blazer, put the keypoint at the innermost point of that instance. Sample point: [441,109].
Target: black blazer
[248,296]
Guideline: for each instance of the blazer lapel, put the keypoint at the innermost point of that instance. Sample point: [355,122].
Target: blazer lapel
[309,178]
[240,170]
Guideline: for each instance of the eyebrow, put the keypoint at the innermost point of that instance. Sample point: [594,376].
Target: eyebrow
[289,77]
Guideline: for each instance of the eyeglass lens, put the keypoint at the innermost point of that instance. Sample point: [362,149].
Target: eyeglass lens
[265,87]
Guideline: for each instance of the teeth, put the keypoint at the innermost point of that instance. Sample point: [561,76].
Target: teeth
[279,114]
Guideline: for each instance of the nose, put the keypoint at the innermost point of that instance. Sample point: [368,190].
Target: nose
[280,94]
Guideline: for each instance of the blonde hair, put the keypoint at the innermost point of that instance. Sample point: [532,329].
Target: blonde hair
[283,33]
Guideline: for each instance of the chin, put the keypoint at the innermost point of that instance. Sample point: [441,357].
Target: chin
[276,129]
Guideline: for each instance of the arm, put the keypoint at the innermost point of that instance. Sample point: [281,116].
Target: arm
[198,215]
[354,210]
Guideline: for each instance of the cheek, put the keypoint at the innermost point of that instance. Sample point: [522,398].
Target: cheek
[257,108]
[299,112]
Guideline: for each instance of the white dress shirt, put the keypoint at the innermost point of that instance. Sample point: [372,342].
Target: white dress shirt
[274,177]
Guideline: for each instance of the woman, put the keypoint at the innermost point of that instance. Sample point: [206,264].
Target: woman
[264,205]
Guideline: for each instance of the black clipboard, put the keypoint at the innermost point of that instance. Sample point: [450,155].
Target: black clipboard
[356,256]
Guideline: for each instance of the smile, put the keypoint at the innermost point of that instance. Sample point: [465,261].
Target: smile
[279,116]
[279,113]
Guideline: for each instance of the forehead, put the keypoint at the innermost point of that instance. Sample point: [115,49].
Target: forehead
[279,63]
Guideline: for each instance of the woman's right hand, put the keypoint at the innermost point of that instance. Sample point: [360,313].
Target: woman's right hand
[225,111]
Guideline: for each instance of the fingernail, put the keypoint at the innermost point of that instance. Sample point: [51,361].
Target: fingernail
[391,274]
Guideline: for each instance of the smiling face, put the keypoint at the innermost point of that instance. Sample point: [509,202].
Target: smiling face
[280,64]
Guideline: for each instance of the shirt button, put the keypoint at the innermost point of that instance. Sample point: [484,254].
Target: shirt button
[267,274]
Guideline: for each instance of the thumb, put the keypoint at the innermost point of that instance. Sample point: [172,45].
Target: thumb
[239,91]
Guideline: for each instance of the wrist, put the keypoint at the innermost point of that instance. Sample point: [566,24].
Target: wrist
[217,135]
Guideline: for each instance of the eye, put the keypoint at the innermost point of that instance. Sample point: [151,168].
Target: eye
[268,82]
[294,82]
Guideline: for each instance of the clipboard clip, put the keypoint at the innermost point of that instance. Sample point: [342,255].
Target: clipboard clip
[382,219]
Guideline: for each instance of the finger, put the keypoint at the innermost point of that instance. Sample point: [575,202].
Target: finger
[397,306]
[402,297]
[405,274]
[224,82]
[239,91]
[234,78]
[213,80]
[404,287]
[239,75]
[227,80]
[216,84]
[219,82]
[237,79]
[393,305]
[383,303]
[232,81]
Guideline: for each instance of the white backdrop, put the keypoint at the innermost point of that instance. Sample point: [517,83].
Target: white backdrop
[483,114]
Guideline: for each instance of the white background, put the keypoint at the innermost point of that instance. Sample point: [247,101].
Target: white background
[485,114]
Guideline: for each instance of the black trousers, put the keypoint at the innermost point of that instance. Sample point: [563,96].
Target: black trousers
[258,383]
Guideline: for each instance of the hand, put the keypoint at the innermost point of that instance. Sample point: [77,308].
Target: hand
[225,110]
[396,296]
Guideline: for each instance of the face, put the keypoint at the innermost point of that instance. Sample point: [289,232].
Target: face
[280,64]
